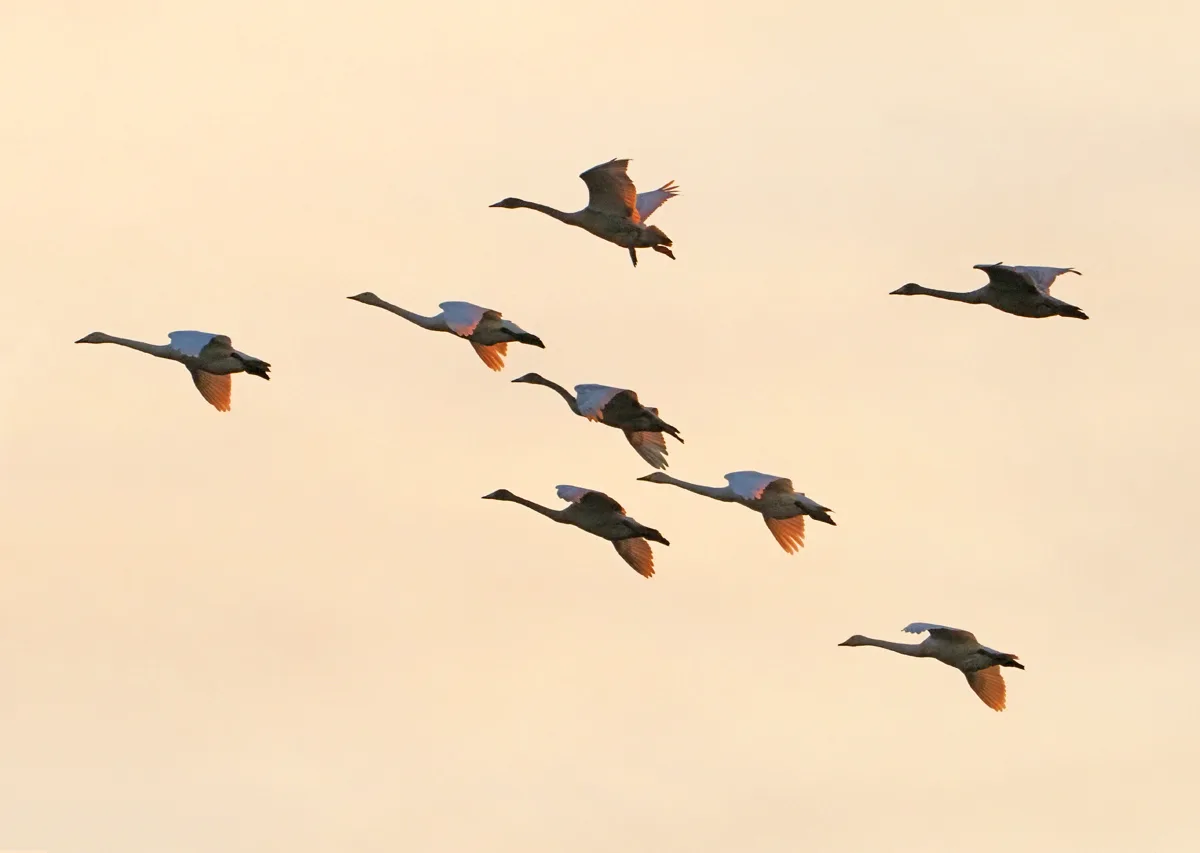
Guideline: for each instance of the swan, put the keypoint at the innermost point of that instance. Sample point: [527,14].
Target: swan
[956,648]
[486,329]
[615,211]
[210,358]
[782,508]
[617,407]
[1023,291]
[598,514]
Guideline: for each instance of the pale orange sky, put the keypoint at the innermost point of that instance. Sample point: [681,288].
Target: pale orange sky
[296,626]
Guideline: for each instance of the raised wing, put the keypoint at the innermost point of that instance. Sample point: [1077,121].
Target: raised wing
[988,685]
[493,355]
[940,631]
[788,532]
[589,498]
[191,343]
[637,553]
[750,485]
[1011,279]
[591,399]
[213,388]
[651,446]
[1043,277]
[463,317]
[610,190]
[651,201]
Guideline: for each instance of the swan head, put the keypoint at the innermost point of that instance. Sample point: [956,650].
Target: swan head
[510,203]
[532,379]
[532,340]
[656,477]
[910,289]
[366,297]
[93,338]
[652,535]
[1070,311]
[499,495]
[856,640]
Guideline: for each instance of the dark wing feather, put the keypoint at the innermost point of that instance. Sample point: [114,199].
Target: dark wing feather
[610,190]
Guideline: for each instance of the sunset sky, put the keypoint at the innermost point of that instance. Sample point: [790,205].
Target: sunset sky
[297,627]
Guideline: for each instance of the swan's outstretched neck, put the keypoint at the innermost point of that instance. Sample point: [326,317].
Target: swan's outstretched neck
[554,514]
[971,297]
[158,350]
[536,379]
[434,323]
[720,493]
[911,649]
[560,215]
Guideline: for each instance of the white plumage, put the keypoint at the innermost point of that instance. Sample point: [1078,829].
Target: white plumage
[591,399]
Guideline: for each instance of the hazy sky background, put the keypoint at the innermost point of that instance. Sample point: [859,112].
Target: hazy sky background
[296,627]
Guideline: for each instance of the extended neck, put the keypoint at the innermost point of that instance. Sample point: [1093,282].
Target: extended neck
[434,323]
[562,392]
[561,216]
[536,507]
[911,649]
[972,297]
[152,349]
[720,493]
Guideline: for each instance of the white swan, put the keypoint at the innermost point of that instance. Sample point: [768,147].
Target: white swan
[600,515]
[486,329]
[615,211]
[782,508]
[1023,291]
[958,649]
[619,408]
[210,358]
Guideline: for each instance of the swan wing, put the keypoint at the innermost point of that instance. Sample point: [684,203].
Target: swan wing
[988,685]
[788,532]
[649,445]
[648,202]
[1044,277]
[750,485]
[192,343]
[942,631]
[591,399]
[493,355]
[216,389]
[610,190]
[589,499]
[1009,279]
[637,553]
[463,317]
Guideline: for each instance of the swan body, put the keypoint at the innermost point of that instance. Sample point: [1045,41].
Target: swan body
[959,649]
[211,359]
[615,211]
[598,514]
[781,506]
[619,408]
[487,330]
[1023,291]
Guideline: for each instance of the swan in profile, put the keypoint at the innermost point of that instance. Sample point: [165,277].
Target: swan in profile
[617,407]
[958,649]
[211,359]
[1023,291]
[781,506]
[598,514]
[486,329]
[615,211]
